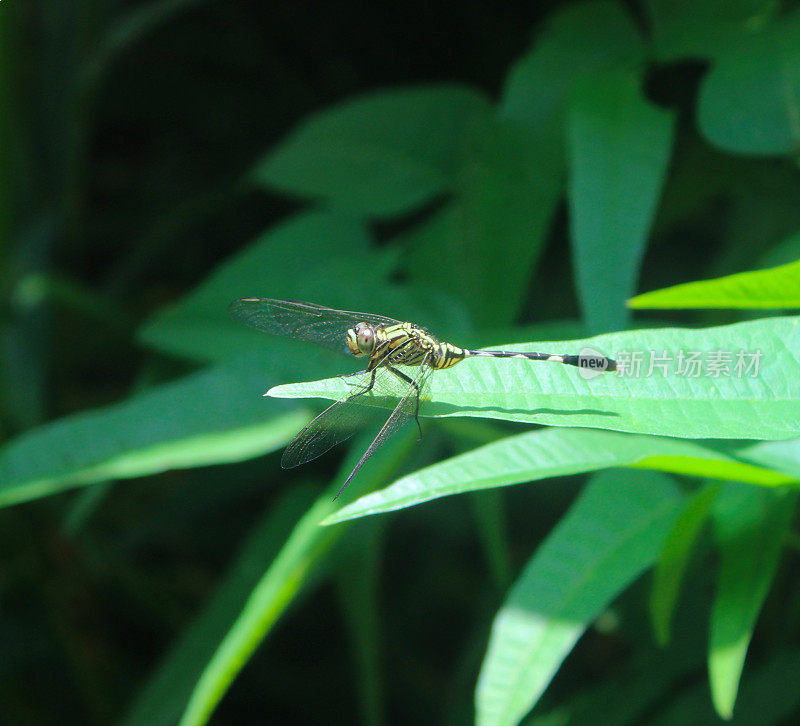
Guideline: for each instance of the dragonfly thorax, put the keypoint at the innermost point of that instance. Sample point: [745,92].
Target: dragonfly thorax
[361,340]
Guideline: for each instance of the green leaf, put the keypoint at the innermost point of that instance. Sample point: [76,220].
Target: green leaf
[166,692]
[746,403]
[778,287]
[704,29]
[580,40]
[750,101]
[358,589]
[199,327]
[127,30]
[611,534]
[674,560]
[768,696]
[307,544]
[548,453]
[213,417]
[382,154]
[782,456]
[618,148]
[314,256]
[751,525]
[630,692]
[494,225]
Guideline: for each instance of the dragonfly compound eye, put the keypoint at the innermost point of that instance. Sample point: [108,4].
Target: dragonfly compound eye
[366,338]
[361,340]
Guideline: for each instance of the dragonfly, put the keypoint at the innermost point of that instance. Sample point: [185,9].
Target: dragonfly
[401,356]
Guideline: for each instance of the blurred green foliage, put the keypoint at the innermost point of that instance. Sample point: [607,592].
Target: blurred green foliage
[502,174]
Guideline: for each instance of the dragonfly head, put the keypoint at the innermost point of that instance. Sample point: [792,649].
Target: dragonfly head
[361,339]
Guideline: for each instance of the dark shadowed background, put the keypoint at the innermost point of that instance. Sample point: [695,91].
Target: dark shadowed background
[500,172]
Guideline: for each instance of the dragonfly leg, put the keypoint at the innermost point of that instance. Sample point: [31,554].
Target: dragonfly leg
[402,376]
[366,388]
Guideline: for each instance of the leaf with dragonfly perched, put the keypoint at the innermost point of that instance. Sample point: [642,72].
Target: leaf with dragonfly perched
[762,402]
[394,350]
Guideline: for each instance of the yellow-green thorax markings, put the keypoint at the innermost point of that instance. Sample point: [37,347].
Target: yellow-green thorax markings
[404,344]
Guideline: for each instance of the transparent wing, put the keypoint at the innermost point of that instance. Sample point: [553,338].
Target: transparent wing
[406,407]
[335,424]
[306,321]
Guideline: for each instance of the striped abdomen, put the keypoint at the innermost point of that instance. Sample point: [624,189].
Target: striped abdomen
[579,361]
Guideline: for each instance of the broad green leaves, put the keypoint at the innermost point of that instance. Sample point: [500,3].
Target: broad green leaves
[751,524]
[548,453]
[304,548]
[217,416]
[663,401]
[464,190]
[388,153]
[199,328]
[750,98]
[494,224]
[314,256]
[778,288]
[750,101]
[581,74]
[618,148]
[687,29]
[612,533]
[669,573]
[581,40]
[381,154]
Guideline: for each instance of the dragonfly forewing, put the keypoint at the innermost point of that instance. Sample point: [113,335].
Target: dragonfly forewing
[306,321]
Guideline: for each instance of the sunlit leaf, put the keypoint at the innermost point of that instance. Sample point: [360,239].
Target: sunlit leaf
[548,453]
[725,397]
[778,287]
[612,533]
[214,417]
